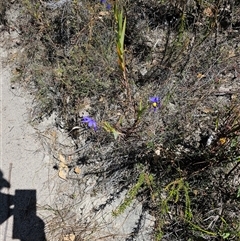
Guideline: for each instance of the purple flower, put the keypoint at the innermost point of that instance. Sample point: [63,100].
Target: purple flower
[91,122]
[155,102]
[108,6]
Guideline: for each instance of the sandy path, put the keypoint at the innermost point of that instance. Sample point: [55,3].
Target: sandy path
[24,163]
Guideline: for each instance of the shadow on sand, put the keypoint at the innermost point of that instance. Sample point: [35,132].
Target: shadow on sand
[27,226]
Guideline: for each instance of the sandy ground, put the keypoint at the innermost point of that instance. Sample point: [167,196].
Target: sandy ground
[24,164]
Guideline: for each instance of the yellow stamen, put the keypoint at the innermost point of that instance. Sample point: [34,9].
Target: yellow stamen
[222,140]
[154,104]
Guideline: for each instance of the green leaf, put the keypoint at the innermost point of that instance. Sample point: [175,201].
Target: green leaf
[225,235]
[123,34]
[116,134]
[108,127]
[112,130]
[141,110]
[238,159]
[238,193]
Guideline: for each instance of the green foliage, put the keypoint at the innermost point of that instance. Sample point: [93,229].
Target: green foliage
[131,195]
[121,28]
[107,127]
[145,180]
[201,230]
[174,190]
[141,110]
[182,28]
[225,230]
[238,192]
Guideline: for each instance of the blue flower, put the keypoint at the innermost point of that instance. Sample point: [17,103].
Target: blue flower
[155,102]
[91,122]
[108,6]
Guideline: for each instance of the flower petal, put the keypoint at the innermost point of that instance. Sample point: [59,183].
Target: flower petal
[152,99]
[86,119]
[108,7]
[91,123]
[95,126]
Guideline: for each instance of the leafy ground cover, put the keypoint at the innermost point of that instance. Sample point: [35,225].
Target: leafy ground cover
[160,83]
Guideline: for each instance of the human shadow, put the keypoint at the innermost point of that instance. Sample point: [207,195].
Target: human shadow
[27,226]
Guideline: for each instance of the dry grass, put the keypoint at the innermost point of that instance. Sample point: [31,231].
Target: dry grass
[187,53]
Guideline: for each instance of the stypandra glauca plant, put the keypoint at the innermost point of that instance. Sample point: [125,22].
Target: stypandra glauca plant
[125,132]
[117,130]
[121,22]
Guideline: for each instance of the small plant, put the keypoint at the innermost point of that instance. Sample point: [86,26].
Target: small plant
[34,9]
[131,195]
[174,190]
[144,180]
